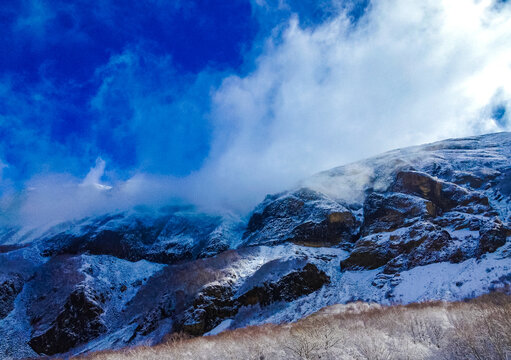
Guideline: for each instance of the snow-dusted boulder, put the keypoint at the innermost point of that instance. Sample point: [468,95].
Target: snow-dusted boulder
[303,217]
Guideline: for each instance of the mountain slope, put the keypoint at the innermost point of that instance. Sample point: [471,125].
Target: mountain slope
[422,223]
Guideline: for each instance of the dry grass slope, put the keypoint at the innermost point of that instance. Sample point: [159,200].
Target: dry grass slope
[477,329]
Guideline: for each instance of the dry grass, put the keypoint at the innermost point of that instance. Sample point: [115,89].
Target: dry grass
[476,329]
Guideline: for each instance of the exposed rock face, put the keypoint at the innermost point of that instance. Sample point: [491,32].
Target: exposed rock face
[79,322]
[420,244]
[164,309]
[304,217]
[167,238]
[419,212]
[444,195]
[198,295]
[213,304]
[493,234]
[10,287]
[438,209]
[290,287]
[388,212]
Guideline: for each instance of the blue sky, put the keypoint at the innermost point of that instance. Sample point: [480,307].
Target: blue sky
[220,102]
[58,54]
[73,72]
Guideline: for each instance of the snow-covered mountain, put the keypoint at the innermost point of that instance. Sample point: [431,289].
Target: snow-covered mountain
[428,222]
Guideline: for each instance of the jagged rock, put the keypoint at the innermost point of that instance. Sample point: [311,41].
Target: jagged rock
[459,220]
[290,287]
[492,233]
[420,244]
[10,287]
[427,206]
[168,238]
[367,254]
[195,323]
[427,187]
[168,298]
[381,280]
[213,304]
[423,245]
[387,212]
[304,217]
[475,181]
[338,226]
[444,195]
[492,236]
[79,322]
[149,323]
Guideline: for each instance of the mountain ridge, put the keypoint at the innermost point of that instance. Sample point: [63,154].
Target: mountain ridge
[422,223]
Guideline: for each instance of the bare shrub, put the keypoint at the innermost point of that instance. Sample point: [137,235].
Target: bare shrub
[372,348]
[474,330]
[427,329]
[312,339]
[481,329]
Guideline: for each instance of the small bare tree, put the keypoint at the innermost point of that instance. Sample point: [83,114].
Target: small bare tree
[482,331]
[372,348]
[312,340]
[426,329]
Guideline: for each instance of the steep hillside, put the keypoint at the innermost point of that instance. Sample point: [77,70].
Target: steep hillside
[423,223]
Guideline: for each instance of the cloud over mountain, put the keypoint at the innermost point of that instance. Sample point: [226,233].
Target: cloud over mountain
[312,93]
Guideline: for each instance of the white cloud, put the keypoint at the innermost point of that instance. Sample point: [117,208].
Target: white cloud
[53,198]
[410,72]
[94,176]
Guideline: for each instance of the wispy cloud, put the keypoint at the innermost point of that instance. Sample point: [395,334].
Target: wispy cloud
[317,96]
[410,72]
[151,117]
